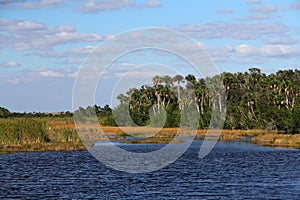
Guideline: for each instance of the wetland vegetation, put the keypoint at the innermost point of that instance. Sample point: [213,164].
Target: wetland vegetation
[264,108]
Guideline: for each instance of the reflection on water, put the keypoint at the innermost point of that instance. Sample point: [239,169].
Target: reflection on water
[234,170]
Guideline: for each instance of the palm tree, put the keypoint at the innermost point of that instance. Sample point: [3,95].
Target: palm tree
[156,81]
[179,79]
[122,98]
[167,80]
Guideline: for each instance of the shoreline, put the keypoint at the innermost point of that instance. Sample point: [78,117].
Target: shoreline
[157,136]
[42,147]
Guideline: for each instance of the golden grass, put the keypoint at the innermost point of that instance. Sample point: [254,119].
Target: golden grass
[24,134]
[165,135]
[278,140]
[63,136]
[42,147]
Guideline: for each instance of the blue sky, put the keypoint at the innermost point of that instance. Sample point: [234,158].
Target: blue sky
[43,42]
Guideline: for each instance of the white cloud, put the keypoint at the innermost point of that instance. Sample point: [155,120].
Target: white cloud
[77,55]
[264,9]
[263,16]
[279,51]
[10,64]
[241,53]
[18,25]
[50,73]
[253,2]
[38,89]
[225,11]
[95,6]
[272,51]
[151,4]
[281,40]
[32,4]
[27,35]
[90,6]
[74,52]
[8,1]
[33,74]
[76,61]
[245,50]
[295,5]
[246,31]
[136,74]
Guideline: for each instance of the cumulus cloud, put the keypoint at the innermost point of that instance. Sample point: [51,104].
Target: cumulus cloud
[27,35]
[295,5]
[151,4]
[225,11]
[253,2]
[10,64]
[73,52]
[77,55]
[32,4]
[261,54]
[272,51]
[241,31]
[50,73]
[33,74]
[264,16]
[72,61]
[41,89]
[264,9]
[281,40]
[18,25]
[95,6]
[90,6]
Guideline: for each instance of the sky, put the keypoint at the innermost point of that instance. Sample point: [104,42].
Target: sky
[44,43]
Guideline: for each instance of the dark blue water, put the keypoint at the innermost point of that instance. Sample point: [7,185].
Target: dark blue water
[230,171]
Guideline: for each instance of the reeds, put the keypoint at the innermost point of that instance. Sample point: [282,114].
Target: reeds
[18,131]
[38,134]
[50,133]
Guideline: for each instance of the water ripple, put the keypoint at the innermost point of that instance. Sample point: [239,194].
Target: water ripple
[231,171]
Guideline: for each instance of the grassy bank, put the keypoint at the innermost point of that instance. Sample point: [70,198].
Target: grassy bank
[38,134]
[59,134]
[278,140]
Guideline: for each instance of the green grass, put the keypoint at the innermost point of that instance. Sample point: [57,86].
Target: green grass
[38,134]
[19,131]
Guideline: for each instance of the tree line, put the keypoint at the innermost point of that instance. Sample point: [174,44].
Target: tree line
[254,100]
[5,113]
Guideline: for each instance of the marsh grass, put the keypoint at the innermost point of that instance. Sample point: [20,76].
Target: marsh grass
[58,134]
[20,131]
[38,134]
[278,140]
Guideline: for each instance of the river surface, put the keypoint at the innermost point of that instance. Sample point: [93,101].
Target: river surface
[233,170]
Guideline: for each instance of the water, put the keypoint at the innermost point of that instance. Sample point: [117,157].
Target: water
[233,170]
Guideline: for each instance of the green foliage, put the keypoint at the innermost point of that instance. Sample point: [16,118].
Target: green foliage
[254,101]
[22,131]
[173,117]
[122,116]
[157,118]
[70,135]
[4,113]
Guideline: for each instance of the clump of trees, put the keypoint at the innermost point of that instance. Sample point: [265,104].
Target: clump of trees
[254,100]
[104,114]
